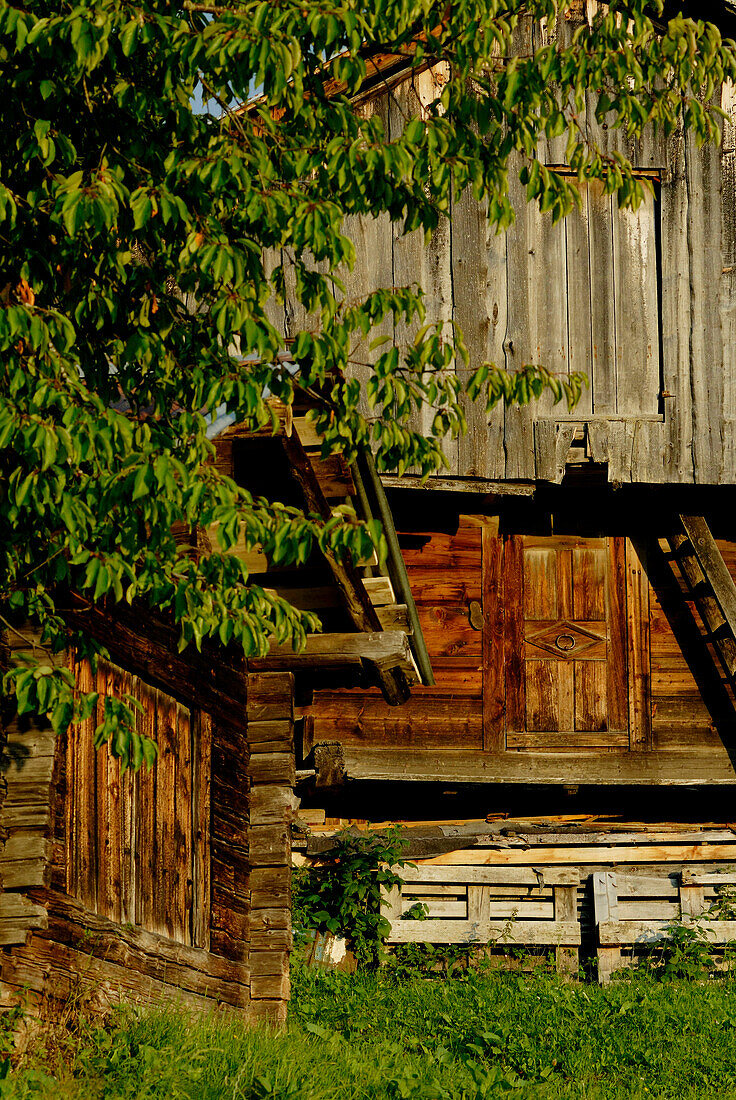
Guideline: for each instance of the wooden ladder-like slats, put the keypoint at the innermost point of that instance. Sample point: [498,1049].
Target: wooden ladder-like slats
[710,584]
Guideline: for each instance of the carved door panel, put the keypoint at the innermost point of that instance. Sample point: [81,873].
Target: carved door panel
[565,642]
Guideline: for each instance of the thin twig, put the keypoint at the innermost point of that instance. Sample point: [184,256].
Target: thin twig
[23,638]
[231,114]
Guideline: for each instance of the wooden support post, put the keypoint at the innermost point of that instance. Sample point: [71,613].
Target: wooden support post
[637,613]
[392,679]
[392,903]
[566,909]
[605,903]
[494,737]
[479,905]
[692,896]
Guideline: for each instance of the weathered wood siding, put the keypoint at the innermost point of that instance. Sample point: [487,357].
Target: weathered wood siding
[641,302]
[445,571]
[582,658]
[171,883]
[135,844]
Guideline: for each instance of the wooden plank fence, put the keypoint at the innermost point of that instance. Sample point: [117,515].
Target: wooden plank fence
[484,905]
[634,912]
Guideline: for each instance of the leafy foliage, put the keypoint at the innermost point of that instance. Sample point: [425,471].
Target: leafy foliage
[342,894]
[121,207]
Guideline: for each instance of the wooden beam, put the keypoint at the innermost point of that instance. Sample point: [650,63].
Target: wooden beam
[482,485]
[659,768]
[383,649]
[392,680]
[582,854]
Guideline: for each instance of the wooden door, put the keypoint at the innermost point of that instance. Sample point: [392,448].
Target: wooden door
[565,647]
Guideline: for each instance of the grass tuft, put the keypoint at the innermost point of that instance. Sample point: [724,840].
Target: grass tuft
[376,1037]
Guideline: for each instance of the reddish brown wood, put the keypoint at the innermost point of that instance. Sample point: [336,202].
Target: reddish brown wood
[201,817]
[617,664]
[637,614]
[513,551]
[493,642]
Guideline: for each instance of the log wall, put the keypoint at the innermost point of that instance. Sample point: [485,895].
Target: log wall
[171,883]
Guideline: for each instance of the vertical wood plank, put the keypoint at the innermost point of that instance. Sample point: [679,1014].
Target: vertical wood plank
[706,347]
[728,278]
[692,901]
[565,900]
[566,688]
[537,318]
[72,785]
[128,801]
[101,823]
[540,583]
[513,551]
[676,461]
[373,241]
[392,903]
[167,864]
[617,652]
[579,322]
[637,614]
[589,584]
[118,682]
[182,827]
[414,262]
[602,300]
[591,689]
[542,691]
[479,904]
[201,726]
[605,907]
[536,329]
[564,584]
[479,281]
[493,640]
[146,854]
[636,309]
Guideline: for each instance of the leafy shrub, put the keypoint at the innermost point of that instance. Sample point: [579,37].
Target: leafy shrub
[685,953]
[342,895]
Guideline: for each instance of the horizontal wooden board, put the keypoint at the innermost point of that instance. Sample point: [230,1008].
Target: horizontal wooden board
[529,933]
[601,853]
[661,768]
[535,877]
[427,719]
[448,632]
[618,932]
[570,739]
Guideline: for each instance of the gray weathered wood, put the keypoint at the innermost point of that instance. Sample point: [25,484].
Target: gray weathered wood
[665,767]
[479,277]
[531,933]
[646,932]
[635,309]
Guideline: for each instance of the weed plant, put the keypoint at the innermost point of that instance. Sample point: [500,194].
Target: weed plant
[376,1036]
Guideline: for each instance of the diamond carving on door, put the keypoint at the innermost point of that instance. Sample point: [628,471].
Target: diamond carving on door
[565,642]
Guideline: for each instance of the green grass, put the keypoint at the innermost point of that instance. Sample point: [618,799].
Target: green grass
[368,1036]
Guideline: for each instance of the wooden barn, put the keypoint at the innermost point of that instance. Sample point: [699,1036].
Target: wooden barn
[176,882]
[574,573]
